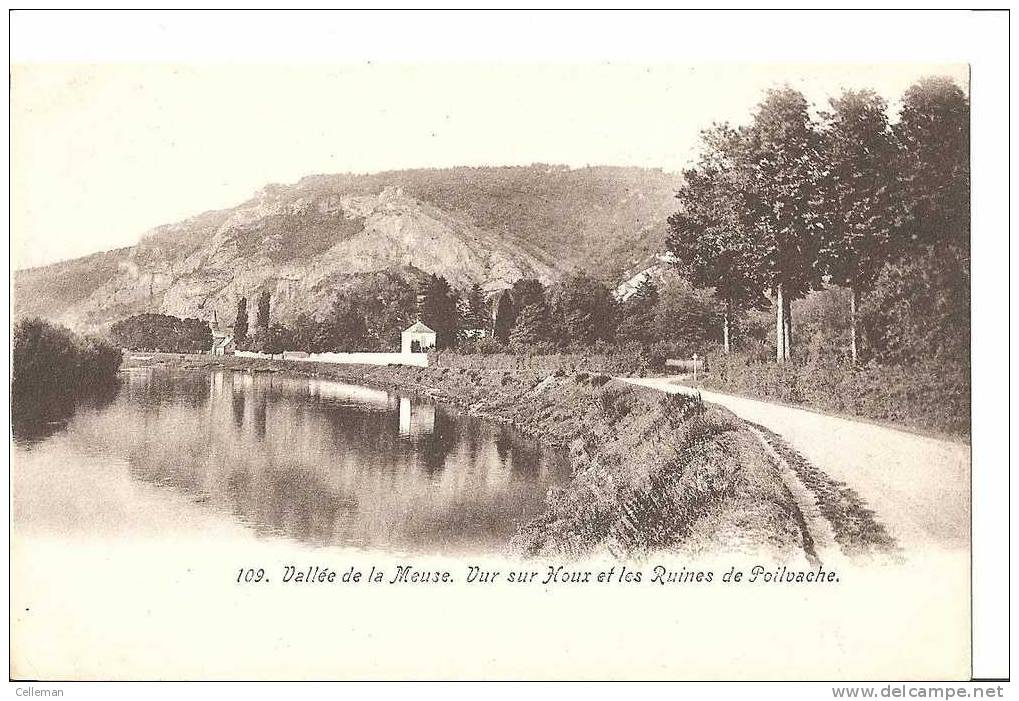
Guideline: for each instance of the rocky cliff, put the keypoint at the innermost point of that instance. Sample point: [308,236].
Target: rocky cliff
[304,242]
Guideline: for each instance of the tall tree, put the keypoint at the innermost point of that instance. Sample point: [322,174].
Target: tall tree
[476,314]
[241,323]
[781,156]
[262,318]
[438,309]
[504,317]
[933,138]
[710,235]
[858,187]
[920,307]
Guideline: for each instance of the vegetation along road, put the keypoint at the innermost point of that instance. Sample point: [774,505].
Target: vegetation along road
[917,486]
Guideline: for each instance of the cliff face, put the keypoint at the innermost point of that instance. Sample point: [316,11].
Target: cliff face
[306,241]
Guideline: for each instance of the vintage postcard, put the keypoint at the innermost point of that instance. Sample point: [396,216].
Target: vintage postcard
[491,371]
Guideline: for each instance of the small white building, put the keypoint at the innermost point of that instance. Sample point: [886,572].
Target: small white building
[417,339]
[223,345]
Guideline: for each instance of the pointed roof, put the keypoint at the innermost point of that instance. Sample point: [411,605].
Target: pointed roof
[418,327]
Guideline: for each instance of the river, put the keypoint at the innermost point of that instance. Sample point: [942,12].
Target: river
[305,460]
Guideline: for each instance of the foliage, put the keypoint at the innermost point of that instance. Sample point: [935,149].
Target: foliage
[527,291]
[920,307]
[928,395]
[687,318]
[161,332]
[241,323]
[582,311]
[388,304]
[780,153]
[274,340]
[262,318]
[476,314]
[858,190]
[48,359]
[638,315]
[438,308]
[345,326]
[505,314]
[531,327]
[933,138]
[710,235]
[786,205]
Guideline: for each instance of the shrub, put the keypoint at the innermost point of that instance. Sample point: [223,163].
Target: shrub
[928,395]
[49,359]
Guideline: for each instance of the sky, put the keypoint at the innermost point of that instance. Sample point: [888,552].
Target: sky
[102,153]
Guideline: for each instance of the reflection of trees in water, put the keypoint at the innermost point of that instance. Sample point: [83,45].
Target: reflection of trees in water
[323,469]
[36,417]
[289,500]
[261,406]
[237,404]
[150,388]
[435,447]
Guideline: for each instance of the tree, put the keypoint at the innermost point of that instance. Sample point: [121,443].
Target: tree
[637,314]
[781,156]
[345,327]
[918,306]
[476,313]
[309,334]
[161,332]
[275,340]
[531,325]
[527,291]
[581,311]
[50,360]
[710,235]
[262,319]
[505,315]
[438,309]
[241,323]
[389,305]
[687,317]
[933,139]
[859,192]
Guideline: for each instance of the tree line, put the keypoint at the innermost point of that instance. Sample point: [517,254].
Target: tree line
[793,202]
[162,332]
[575,313]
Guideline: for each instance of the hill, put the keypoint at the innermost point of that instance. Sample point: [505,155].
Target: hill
[304,241]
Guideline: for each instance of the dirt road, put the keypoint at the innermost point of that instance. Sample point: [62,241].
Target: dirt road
[919,487]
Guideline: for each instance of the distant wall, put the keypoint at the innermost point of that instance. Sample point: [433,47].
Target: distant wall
[418,359]
[614,364]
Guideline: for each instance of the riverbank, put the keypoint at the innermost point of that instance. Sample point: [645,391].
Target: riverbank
[650,471]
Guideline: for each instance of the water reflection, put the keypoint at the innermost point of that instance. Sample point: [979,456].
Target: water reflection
[323,462]
[40,416]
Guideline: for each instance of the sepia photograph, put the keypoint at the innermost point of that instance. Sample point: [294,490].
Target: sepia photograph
[388,369]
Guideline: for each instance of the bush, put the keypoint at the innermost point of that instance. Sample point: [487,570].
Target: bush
[928,395]
[48,360]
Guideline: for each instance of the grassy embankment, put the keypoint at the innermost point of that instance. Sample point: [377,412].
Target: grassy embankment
[651,471]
